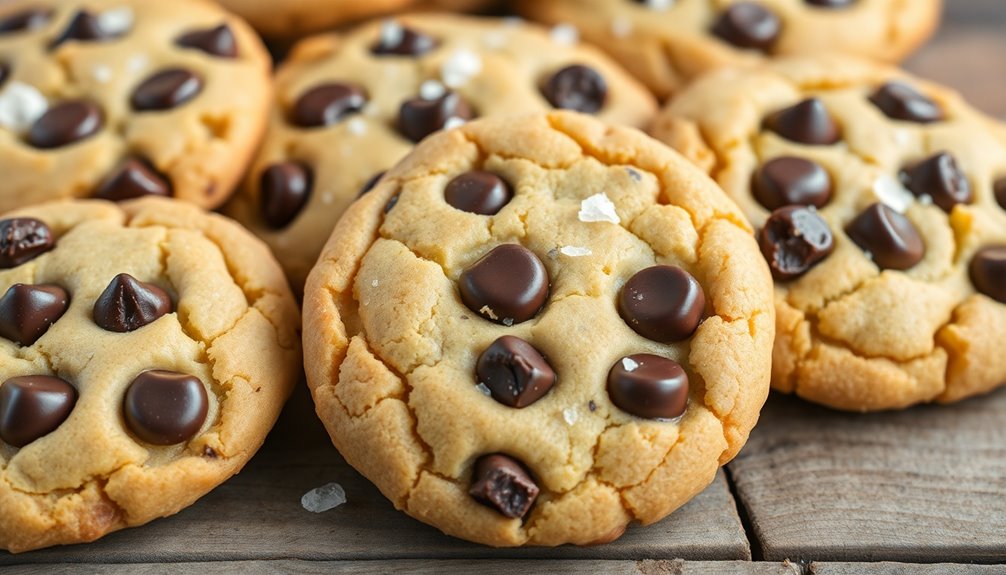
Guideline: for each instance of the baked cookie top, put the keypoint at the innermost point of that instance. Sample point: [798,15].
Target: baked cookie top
[880,203]
[538,329]
[349,106]
[117,99]
[146,349]
[667,43]
[284,19]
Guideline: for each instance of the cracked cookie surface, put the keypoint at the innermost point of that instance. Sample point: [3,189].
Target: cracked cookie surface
[479,403]
[133,395]
[121,98]
[668,43]
[349,106]
[902,307]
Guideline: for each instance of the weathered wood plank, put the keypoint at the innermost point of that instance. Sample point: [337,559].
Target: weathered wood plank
[927,484]
[969,58]
[904,569]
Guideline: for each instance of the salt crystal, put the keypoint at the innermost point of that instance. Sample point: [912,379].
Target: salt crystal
[391,33]
[621,27]
[598,208]
[569,414]
[101,73]
[117,21]
[20,106]
[926,200]
[454,122]
[508,321]
[889,191]
[660,4]
[137,62]
[902,137]
[553,254]
[630,364]
[375,283]
[431,90]
[565,34]
[483,389]
[574,251]
[461,66]
[324,498]
[357,126]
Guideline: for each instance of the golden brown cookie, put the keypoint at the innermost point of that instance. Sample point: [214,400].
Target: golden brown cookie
[538,329]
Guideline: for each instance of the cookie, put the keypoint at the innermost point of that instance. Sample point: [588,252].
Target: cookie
[146,349]
[668,43]
[879,199]
[289,19]
[117,99]
[348,107]
[545,364]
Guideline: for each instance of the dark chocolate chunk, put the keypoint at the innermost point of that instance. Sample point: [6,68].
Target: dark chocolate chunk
[326,104]
[391,203]
[33,406]
[22,240]
[502,483]
[128,304]
[166,89]
[284,190]
[889,237]
[478,192]
[507,285]
[419,118]
[134,178]
[748,25]
[84,27]
[371,183]
[649,386]
[998,188]
[25,20]
[397,40]
[790,181]
[794,240]
[65,123]
[578,88]
[217,41]
[165,407]
[899,101]
[940,178]
[515,372]
[662,303]
[806,123]
[27,311]
[988,272]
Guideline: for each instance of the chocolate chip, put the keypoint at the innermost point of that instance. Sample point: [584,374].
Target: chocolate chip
[578,88]
[790,181]
[284,190]
[889,237]
[502,483]
[166,89]
[794,240]
[165,407]
[478,192]
[988,272]
[25,20]
[27,311]
[133,178]
[748,25]
[662,303]
[508,285]
[999,187]
[391,203]
[419,118]
[64,124]
[940,178]
[831,3]
[806,123]
[128,304]
[83,27]
[326,104]
[398,40]
[217,41]
[4,72]
[33,406]
[370,183]
[22,240]
[649,386]
[515,372]
[899,101]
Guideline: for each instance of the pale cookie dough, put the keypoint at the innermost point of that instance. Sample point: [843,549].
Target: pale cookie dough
[406,313]
[91,441]
[121,98]
[891,316]
[322,148]
[668,43]
[287,19]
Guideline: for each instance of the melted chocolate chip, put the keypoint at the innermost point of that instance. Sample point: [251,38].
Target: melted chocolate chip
[794,240]
[64,124]
[831,3]
[889,237]
[32,407]
[165,407]
[166,89]
[128,304]
[662,303]
[578,88]
[83,27]
[649,386]
[999,188]
[508,285]
[940,178]
[806,123]
[22,240]
[371,183]
[748,25]
[478,192]
[25,20]
[502,483]
[899,101]
[326,104]
[285,188]
[515,372]
[419,118]
[217,41]
[401,41]
[27,311]
[988,272]
[133,178]
[790,181]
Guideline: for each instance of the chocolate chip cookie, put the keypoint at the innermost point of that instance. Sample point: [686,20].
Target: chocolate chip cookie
[538,329]
[117,99]
[880,202]
[285,19]
[348,107]
[145,351]
[668,43]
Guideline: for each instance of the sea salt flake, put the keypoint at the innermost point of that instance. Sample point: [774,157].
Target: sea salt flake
[598,208]
[483,389]
[902,137]
[926,200]
[357,126]
[116,21]
[102,74]
[565,34]
[461,66]
[553,254]
[621,27]
[569,415]
[508,321]
[630,364]
[20,105]
[431,90]
[889,191]
[324,498]
[391,33]
[454,122]
[137,63]
[660,4]
[574,251]
[375,283]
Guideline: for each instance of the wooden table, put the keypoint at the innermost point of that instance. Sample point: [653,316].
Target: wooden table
[814,492]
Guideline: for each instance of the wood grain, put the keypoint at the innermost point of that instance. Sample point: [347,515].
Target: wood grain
[903,569]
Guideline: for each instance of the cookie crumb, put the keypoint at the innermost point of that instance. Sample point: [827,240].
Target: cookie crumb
[20,105]
[598,208]
[569,415]
[488,311]
[324,498]
[483,389]
[892,194]
[565,34]
[461,66]
[574,251]
[630,364]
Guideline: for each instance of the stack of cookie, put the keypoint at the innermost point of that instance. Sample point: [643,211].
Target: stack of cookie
[524,320]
